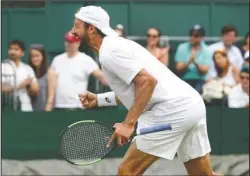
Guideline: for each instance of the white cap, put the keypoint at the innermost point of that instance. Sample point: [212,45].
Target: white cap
[246,55]
[98,17]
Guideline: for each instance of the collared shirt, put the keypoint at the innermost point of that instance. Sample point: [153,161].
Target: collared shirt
[202,57]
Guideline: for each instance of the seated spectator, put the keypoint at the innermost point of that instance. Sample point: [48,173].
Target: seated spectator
[239,96]
[25,83]
[153,46]
[218,86]
[245,47]
[72,70]
[193,58]
[229,34]
[246,57]
[38,60]
[120,30]
[225,72]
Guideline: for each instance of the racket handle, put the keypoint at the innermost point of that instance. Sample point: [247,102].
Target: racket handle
[155,129]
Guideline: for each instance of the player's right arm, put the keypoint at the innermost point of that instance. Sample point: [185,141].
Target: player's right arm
[91,100]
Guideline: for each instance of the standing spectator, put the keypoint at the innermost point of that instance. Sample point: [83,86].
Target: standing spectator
[239,96]
[71,71]
[245,47]
[25,84]
[120,30]
[193,58]
[38,60]
[229,34]
[153,46]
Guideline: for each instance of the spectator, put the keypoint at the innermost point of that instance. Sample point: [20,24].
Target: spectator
[193,58]
[219,86]
[38,60]
[153,46]
[246,57]
[25,84]
[245,47]
[225,72]
[71,73]
[229,34]
[120,30]
[239,96]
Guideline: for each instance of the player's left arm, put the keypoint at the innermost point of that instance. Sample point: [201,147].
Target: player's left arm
[144,88]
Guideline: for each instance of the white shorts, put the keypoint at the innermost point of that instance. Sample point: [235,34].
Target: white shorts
[188,137]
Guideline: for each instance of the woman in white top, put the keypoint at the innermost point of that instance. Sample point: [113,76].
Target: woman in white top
[225,77]
[226,73]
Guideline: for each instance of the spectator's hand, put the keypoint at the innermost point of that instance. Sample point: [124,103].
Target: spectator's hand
[26,82]
[88,100]
[8,89]
[193,53]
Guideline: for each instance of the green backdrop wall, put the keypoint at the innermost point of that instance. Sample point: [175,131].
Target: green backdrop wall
[47,25]
[36,135]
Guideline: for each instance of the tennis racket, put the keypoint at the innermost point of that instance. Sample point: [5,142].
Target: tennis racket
[85,142]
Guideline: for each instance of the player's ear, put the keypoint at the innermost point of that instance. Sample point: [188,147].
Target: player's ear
[91,29]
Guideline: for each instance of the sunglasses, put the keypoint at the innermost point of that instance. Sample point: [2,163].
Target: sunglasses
[244,77]
[195,35]
[152,36]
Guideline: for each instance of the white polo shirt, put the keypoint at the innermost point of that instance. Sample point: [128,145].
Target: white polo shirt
[72,78]
[21,72]
[122,60]
[234,55]
[238,98]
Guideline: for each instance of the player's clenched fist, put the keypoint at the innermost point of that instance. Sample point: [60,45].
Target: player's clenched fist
[88,100]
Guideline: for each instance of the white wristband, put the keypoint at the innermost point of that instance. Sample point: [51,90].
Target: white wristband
[106,99]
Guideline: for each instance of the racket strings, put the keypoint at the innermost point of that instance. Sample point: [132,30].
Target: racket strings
[86,142]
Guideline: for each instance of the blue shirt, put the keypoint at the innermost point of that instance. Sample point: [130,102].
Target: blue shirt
[203,57]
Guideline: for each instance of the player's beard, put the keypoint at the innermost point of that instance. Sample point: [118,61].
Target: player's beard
[86,42]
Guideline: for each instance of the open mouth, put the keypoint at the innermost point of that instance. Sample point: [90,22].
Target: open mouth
[75,35]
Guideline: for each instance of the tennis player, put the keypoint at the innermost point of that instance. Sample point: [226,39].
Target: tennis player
[153,96]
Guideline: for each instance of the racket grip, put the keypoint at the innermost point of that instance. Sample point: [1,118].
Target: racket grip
[155,129]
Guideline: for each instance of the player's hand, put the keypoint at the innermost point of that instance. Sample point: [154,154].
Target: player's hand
[122,134]
[88,100]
